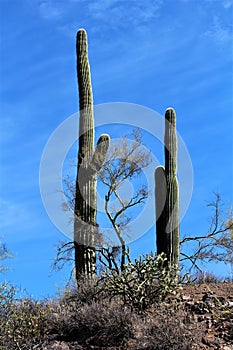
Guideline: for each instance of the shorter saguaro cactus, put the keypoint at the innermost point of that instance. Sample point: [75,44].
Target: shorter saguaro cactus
[167,195]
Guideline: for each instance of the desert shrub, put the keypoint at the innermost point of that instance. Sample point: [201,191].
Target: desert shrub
[88,290]
[97,324]
[167,327]
[106,324]
[206,277]
[148,280]
[22,321]
[7,294]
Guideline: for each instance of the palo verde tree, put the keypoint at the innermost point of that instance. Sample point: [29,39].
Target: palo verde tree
[125,162]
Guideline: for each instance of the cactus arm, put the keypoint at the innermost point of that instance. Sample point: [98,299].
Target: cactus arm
[162,239]
[100,152]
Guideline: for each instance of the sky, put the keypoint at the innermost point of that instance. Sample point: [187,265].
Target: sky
[155,54]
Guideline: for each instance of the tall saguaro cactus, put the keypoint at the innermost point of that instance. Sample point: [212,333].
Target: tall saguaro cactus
[167,195]
[90,161]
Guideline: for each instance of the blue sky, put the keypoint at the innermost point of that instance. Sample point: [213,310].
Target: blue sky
[153,53]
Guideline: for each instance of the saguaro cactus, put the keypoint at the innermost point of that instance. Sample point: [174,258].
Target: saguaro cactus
[167,195]
[90,161]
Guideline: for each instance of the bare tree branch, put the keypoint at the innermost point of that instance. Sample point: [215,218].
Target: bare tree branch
[216,245]
[124,161]
[4,254]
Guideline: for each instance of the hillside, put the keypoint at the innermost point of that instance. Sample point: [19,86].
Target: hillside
[199,316]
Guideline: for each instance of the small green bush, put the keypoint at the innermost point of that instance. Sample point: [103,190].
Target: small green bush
[146,281]
[23,321]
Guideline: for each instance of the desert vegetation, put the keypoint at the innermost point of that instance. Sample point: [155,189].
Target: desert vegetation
[115,312]
[153,302]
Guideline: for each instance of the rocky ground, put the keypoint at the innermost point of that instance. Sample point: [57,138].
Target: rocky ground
[211,308]
[206,313]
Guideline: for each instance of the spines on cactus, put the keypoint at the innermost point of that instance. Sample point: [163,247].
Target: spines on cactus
[167,195]
[90,161]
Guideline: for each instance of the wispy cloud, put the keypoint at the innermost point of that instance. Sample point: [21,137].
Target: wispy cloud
[122,13]
[220,31]
[51,9]
[227,3]
[143,11]
[11,214]
[113,14]
[223,3]
[10,124]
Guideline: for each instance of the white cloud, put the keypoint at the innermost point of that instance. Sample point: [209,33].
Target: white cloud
[118,13]
[227,3]
[111,13]
[50,10]
[222,33]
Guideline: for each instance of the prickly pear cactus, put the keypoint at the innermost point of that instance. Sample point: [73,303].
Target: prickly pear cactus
[90,160]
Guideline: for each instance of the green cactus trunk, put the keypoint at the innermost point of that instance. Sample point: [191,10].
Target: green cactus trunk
[167,195]
[89,162]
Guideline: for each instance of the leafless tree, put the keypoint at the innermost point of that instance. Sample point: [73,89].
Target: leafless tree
[216,244]
[4,254]
[125,161]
